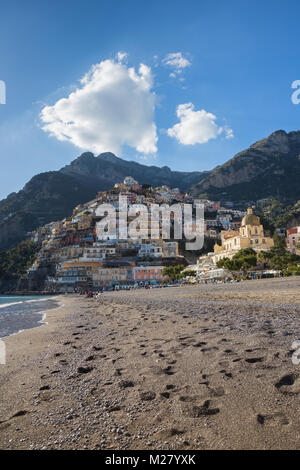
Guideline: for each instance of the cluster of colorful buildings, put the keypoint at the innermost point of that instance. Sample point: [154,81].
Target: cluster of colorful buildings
[77,274]
[77,258]
[251,234]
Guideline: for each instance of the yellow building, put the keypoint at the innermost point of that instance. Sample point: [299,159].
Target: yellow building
[250,235]
[112,274]
[89,266]
[107,276]
[84,222]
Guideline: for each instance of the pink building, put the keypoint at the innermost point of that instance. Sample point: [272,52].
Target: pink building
[293,239]
[149,274]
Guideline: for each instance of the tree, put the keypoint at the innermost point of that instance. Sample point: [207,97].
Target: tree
[173,272]
[243,259]
[278,257]
[188,273]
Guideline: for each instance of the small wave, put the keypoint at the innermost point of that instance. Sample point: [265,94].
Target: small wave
[39,300]
[26,301]
[11,303]
[26,314]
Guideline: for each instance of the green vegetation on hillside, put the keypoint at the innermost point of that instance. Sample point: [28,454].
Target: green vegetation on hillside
[14,263]
[279,214]
[242,260]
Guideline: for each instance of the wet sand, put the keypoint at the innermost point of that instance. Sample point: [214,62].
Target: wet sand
[203,367]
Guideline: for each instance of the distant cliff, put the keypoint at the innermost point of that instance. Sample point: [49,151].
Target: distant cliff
[104,171]
[268,168]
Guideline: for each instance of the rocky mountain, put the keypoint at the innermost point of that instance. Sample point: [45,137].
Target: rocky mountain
[104,171]
[268,168]
[46,197]
[53,195]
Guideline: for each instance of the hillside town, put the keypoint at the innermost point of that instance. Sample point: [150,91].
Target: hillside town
[74,258]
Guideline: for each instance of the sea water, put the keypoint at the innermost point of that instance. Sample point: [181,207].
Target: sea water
[19,313]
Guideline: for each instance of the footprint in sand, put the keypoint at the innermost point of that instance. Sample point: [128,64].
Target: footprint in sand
[209,349]
[289,384]
[90,358]
[254,360]
[45,387]
[276,419]
[227,374]
[147,396]
[216,392]
[126,384]
[84,370]
[195,411]
[168,371]
[16,415]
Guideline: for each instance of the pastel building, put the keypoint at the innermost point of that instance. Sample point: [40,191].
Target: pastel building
[148,274]
[250,235]
[100,251]
[76,273]
[110,275]
[293,239]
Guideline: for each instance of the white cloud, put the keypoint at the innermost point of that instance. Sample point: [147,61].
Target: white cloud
[196,127]
[177,62]
[228,133]
[121,56]
[113,106]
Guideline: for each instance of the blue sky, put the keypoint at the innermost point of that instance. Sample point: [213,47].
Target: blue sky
[228,86]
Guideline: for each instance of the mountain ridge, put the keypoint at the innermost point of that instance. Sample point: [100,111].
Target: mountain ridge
[53,195]
[269,168]
[99,171]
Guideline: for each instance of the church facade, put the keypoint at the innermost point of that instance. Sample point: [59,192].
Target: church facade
[250,235]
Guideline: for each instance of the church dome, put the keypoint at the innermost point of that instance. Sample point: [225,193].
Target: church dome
[250,218]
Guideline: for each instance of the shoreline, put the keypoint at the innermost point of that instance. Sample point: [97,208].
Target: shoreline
[29,293]
[40,322]
[199,368]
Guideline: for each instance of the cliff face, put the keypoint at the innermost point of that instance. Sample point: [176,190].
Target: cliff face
[268,168]
[106,170]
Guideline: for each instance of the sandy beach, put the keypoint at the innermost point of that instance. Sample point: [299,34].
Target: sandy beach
[202,367]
